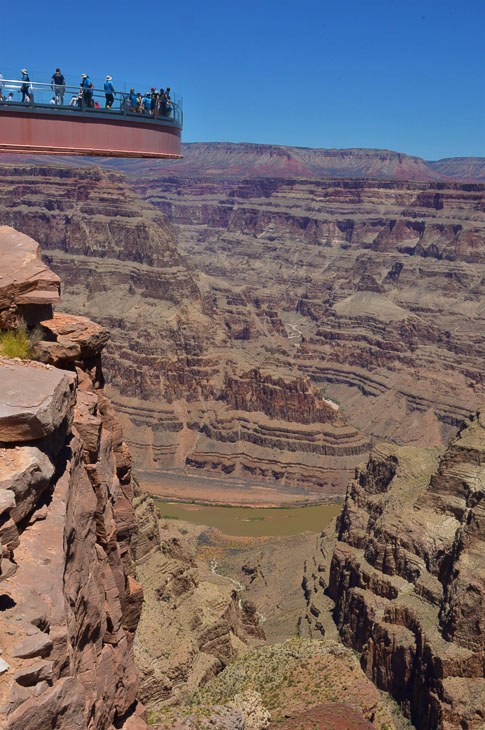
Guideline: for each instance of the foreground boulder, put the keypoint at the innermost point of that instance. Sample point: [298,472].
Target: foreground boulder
[28,288]
[34,400]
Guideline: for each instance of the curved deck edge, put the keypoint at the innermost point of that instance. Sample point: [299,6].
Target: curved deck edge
[23,132]
[67,151]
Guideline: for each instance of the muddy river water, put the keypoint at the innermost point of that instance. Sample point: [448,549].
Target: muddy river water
[253,521]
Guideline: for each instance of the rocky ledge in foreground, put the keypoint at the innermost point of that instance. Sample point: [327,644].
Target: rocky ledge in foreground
[408,577]
[69,602]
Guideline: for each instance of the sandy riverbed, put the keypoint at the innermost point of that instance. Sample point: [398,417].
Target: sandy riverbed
[179,486]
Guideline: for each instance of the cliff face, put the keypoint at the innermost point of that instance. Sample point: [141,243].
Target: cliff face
[408,580]
[462,168]
[200,370]
[69,603]
[378,284]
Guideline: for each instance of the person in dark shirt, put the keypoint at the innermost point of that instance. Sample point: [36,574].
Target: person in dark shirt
[58,84]
[109,92]
[154,102]
[168,101]
[162,99]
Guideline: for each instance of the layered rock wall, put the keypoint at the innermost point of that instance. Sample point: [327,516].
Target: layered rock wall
[198,370]
[69,603]
[368,290]
[216,160]
[378,283]
[408,581]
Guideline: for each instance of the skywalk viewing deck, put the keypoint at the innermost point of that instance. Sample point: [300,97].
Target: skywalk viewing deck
[69,121]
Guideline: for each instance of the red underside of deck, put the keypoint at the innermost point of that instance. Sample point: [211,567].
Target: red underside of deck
[66,134]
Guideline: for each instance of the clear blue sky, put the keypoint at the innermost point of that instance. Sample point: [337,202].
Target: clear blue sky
[407,75]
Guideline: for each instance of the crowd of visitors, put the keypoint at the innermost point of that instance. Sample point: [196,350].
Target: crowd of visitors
[156,103]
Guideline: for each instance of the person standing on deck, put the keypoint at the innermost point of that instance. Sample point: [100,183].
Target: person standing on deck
[58,84]
[154,102]
[162,102]
[146,103]
[25,89]
[87,90]
[109,92]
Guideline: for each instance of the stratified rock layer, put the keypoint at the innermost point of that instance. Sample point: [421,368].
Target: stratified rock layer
[69,602]
[199,370]
[377,285]
[296,291]
[228,160]
[408,578]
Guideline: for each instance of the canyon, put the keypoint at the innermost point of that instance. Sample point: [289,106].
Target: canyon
[267,325]
[221,160]
[378,283]
[260,321]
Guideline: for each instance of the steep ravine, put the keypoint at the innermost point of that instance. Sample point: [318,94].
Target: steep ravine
[406,572]
[378,284]
[408,580]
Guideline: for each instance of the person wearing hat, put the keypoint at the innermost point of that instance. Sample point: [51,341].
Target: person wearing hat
[25,89]
[87,90]
[109,92]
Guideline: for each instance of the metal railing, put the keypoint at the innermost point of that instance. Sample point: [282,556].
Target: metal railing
[36,94]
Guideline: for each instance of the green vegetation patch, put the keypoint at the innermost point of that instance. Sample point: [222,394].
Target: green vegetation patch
[19,343]
[295,676]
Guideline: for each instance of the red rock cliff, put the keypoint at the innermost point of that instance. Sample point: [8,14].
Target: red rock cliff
[408,579]
[69,601]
